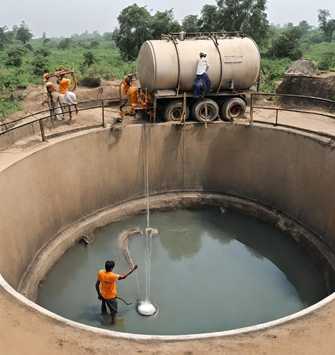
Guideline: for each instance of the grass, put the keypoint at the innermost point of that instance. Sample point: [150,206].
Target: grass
[108,65]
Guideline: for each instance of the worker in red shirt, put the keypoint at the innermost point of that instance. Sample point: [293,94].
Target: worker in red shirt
[106,287]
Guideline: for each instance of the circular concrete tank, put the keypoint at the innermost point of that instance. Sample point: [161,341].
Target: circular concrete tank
[290,173]
[161,64]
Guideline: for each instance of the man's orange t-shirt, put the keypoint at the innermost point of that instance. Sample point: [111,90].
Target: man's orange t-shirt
[107,285]
[64,85]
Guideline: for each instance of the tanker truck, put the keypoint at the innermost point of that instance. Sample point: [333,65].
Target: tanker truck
[166,72]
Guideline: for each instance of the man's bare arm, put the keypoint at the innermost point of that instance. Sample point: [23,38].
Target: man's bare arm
[122,277]
[98,289]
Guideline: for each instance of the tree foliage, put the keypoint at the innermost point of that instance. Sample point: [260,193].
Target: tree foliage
[65,43]
[89,59]
[134,29]
[246,16]
[191,24]
[327,24]
[136,25]
[15,56]
[23,33]
[287,44]
[209,19]
[163,22]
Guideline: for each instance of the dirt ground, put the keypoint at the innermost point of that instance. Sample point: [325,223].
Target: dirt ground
[34,97]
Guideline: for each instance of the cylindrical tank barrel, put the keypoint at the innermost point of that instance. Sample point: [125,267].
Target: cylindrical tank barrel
[234,62]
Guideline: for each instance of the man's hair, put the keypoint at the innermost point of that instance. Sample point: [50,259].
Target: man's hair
[109,264]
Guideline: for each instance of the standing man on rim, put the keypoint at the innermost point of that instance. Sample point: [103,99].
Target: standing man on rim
[106,287]
[202,83]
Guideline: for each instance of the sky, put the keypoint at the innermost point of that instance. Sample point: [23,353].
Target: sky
[66,17]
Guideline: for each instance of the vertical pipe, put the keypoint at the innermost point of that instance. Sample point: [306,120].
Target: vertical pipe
[70,112]
[103,113]
[42,130]
[277,112]
[251,108]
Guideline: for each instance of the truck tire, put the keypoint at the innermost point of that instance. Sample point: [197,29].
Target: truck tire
[174,110]
[233,108]
[205,110]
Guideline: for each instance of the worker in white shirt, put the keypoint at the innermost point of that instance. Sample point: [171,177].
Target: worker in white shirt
[202,83]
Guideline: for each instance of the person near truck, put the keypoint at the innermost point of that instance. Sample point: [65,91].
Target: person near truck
[69,97]
[202,82]
[106,287]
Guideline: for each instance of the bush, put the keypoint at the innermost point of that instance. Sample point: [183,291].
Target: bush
[65,43]
[15,56]
[327,61]
[40,64]
[90,82]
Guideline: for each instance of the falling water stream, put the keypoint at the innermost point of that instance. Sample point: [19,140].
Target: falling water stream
[146,307]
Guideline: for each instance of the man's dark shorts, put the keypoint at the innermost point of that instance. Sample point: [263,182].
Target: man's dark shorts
[111,304]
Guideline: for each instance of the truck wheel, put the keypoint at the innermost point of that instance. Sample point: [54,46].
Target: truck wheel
[206,110]
[174,111]
[233,108]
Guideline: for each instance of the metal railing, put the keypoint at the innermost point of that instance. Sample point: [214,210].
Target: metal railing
[41,116]
[279,106]
[50,114]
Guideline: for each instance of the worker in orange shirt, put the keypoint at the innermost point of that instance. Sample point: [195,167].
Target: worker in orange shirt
[69,97]
[106,287]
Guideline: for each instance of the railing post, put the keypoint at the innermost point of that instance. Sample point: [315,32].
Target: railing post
[251,109]
[277,112]
[70,112]
[42,130]
[103,113]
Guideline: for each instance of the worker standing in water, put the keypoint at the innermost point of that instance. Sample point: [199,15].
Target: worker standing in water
[202,83]
[106,287]
[69,97]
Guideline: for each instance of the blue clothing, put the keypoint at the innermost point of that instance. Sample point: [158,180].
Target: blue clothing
[202,85]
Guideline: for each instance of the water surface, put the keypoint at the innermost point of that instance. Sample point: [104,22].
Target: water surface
[211,271]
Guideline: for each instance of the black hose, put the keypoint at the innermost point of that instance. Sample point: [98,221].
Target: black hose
[124,301]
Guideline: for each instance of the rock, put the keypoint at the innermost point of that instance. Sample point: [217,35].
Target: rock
[303,67]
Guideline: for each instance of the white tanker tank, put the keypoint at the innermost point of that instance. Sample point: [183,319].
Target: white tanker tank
[163,64]
[169,65]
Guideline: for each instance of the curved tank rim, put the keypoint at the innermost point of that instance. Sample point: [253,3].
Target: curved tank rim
[132,336]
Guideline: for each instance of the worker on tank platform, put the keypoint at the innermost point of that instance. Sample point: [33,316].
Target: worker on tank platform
[106,287]
[202,84]
[68,97]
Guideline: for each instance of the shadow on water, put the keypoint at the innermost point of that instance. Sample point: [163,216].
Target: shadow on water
[263,240]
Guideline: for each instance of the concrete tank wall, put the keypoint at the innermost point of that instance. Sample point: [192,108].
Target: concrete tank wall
[161,64]
[73,177]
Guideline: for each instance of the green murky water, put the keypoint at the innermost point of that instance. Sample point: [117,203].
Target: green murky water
[210,272]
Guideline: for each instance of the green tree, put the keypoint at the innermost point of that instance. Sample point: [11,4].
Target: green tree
[65,43]
[89,59]
[42,52]
[3,37]
[15,56]
[248,16]
[327,25]
[191,24]
[39,64]
[163,22]
[134,29]
[327,61]
[304,27]
[287,44]
[209,19]
[23,33]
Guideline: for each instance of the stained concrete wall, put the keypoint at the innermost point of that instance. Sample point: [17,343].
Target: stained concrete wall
[73,177]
